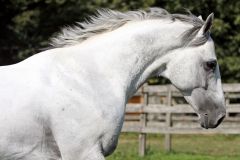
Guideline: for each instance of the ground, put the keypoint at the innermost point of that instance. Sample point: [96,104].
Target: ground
[185,147]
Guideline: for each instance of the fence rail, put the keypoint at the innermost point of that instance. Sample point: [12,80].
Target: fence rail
[172,115]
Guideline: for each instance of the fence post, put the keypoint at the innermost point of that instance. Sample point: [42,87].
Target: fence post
[168,137]
[227,101]
[143,121]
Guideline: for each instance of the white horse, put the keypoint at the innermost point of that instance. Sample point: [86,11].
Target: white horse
[68,102]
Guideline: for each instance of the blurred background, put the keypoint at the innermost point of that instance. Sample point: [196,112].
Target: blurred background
[27,25]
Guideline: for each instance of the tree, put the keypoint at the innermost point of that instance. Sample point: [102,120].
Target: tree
[26,26]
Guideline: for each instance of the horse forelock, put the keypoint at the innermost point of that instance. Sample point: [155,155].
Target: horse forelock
[107,20]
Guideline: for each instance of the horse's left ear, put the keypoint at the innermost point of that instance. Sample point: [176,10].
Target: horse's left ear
[207,24]
[200,17]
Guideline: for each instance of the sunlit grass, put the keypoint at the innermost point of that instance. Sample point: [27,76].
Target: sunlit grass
[185,147]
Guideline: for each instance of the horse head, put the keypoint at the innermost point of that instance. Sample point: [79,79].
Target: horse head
[195,72]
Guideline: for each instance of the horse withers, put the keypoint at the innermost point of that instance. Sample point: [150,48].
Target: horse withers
[68,102]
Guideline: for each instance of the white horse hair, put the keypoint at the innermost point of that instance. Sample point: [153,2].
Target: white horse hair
[108,20]
[68,102]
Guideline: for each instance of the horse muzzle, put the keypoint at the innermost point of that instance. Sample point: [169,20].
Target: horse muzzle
[207,122]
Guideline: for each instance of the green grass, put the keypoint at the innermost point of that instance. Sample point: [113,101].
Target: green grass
[185,147]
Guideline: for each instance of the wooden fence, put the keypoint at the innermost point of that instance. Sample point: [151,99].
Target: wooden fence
[162,109]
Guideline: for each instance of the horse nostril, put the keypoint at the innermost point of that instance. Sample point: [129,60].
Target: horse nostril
[205,120]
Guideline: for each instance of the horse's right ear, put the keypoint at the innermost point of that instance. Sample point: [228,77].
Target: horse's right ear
[207,25]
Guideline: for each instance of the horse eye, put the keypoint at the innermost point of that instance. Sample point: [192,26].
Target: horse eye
[210,65]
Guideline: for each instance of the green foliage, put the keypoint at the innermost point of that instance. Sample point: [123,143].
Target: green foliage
[26,26]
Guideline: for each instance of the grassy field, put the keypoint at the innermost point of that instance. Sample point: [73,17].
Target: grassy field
[185,147]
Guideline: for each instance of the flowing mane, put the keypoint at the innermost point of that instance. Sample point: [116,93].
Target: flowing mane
[107,20]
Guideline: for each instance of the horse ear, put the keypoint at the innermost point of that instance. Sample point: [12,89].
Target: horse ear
[207,24]
[200,17]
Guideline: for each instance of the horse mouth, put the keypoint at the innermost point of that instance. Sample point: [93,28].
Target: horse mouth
[219,121]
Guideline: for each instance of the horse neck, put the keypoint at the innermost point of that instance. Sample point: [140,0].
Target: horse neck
[126,58]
